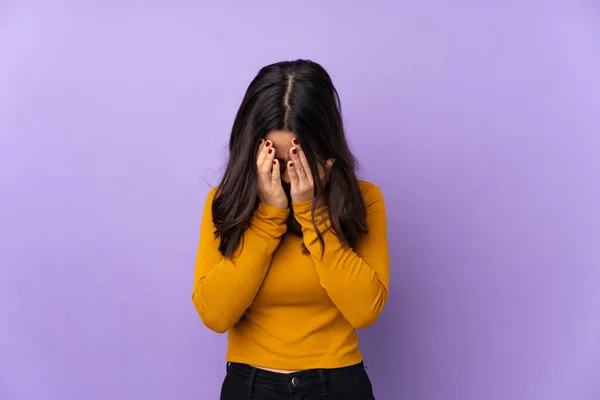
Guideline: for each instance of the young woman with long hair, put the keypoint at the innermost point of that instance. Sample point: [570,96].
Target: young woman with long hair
[293,254]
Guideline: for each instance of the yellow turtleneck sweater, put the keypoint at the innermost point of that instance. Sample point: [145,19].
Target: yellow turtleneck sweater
[284,309]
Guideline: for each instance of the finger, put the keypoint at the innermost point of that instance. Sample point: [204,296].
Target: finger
[276,174]
[262,155]
[260,146]
[324,170]
[259,149]
[299,168]
[291,168]
[268,163]
[305,165]
[322,173]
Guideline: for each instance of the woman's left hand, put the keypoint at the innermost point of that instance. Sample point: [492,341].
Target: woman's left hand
[301,179]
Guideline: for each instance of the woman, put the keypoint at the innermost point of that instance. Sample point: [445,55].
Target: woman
[293,253]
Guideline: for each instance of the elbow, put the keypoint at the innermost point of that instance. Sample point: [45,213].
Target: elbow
[217,325]
[365,317]
[214,321]
[363,320]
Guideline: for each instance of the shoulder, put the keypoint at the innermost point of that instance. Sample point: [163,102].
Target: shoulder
[210,196]
[370,191]
[212,191]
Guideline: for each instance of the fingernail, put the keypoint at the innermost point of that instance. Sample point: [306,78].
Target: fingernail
[274,162]
[270,151]
[291,163]
[295,141]
[268,143]
[294,151]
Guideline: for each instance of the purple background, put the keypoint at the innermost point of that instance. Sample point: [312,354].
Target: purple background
[480,122]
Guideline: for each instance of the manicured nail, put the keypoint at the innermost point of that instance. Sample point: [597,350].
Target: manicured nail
[294,151]
[295,141]
[291,163]
[268,143]
[270,150]
[274,162]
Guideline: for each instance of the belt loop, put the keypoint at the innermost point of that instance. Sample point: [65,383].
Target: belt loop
[324,380]
[251,383]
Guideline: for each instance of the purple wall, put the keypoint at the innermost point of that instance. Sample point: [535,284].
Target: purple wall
[480,123]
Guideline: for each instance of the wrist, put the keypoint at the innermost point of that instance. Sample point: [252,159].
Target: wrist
[302,205]
[268,212]
[276,203]
[279,206]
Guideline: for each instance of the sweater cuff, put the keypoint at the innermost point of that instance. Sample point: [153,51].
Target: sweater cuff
[303,214]
[301,207]
[271,220]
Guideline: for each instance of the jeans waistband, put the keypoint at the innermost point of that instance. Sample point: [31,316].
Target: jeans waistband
[287,383]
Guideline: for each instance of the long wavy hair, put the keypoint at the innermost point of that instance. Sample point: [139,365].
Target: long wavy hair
[296,96]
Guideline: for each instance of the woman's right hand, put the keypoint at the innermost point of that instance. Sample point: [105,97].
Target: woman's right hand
[270,190]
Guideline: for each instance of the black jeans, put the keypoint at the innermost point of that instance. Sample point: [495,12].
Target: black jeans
[244,382]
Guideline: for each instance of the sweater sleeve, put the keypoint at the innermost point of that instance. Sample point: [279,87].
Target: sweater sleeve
[356,279]
[224,288]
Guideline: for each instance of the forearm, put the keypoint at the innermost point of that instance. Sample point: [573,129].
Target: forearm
[355,282]
[224,287]
[227,290]
[350,282]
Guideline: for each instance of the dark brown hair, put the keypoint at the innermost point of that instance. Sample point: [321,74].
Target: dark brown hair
[297,96]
